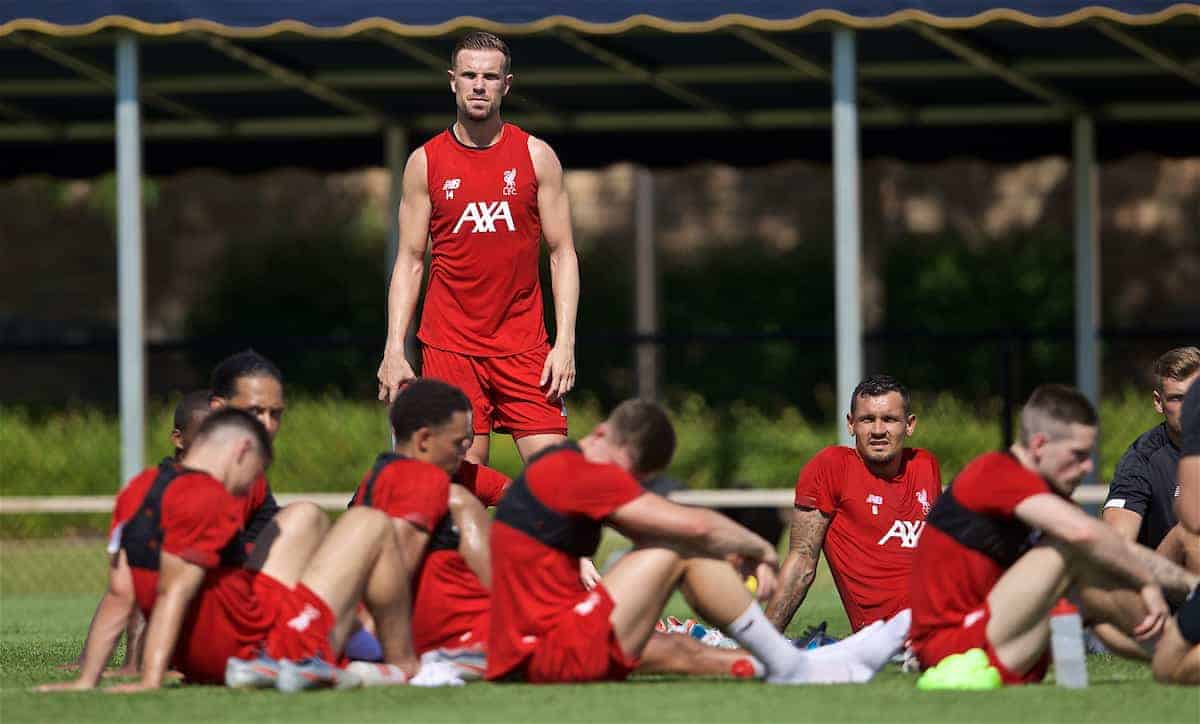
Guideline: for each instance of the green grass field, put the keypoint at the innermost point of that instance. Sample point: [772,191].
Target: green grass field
[44,615]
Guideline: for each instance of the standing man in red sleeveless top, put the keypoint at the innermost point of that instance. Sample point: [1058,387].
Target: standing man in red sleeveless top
[486,192]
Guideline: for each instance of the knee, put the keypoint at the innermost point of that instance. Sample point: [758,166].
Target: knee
[368,521]
[1164,665]
[303,518]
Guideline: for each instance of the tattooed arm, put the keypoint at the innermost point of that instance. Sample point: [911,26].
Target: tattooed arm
[1176,582]
[800,567]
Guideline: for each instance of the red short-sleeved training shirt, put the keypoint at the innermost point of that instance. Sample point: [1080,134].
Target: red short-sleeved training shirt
[408,489]
[950,580]
[875,525]
[532,583]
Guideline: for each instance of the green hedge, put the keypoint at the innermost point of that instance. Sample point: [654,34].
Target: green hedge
[326,444]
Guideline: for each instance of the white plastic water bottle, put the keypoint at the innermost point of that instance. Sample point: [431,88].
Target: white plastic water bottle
[1066,646]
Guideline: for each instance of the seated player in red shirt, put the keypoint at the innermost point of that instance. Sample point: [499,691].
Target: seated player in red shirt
[452,598]
[117,604]
[181,519]
[1005,543]
[547,627]
[370,556]
[1177,658]
[865,507]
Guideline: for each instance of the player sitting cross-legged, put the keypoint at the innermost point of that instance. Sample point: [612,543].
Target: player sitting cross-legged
[547,627]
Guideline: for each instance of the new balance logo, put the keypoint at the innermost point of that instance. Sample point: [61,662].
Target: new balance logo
[484,215]
[305,619]
[908,531]
[451,186]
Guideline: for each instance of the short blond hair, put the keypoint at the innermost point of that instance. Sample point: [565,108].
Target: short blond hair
[481,40]
[1177,364]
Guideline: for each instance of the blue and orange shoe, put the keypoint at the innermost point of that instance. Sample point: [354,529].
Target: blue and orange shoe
[261,672]
[314,673]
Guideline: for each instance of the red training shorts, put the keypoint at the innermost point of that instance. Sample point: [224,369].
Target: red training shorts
[224,620]
[302,627]
[581,647]
[503,391]
[973,635]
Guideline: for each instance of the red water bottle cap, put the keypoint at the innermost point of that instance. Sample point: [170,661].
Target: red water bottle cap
[1063,608]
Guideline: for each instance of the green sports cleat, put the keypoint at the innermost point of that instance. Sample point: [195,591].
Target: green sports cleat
[970,671]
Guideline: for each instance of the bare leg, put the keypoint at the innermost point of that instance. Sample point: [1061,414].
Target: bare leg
[288,542]
[531,445]
[478,452]
[1176,660]
[367,556]
[388,597]
[1118,642]
[682,654]
[1020,603]
[640,584]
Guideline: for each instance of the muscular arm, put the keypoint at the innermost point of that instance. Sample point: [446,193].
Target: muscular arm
[807,536]
[405,284]
[1176,581]
[696,531]
[1126,522]
[554,210]
[112,614]
[472,520]
[178,583]
[1092,538]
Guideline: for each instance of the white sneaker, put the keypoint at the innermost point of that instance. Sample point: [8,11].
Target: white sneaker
[437,673]
[469,661]
[372,674]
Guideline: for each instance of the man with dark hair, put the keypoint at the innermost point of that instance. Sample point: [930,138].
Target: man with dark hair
[486,193]
[547,627]
[864,507]
[1177,658]
[1005,543]
[189,413]
[411,486]
[1143,491]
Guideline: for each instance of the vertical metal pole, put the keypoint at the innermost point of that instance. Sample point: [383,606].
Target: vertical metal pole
[1087,262]
[396,149]
[645,284]
[130,278]
[847,210]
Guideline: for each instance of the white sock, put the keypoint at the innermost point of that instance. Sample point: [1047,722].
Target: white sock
[754,632]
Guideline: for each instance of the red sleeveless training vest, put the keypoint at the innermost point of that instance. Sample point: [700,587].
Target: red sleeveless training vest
[484,297]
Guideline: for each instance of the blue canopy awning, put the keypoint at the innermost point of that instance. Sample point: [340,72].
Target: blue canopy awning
[420,17]
[246,85]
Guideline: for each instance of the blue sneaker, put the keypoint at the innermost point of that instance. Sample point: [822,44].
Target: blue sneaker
[814,637]
[260,672]
[313,673]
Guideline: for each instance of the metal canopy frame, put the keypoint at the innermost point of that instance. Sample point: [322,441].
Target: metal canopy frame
[353,116]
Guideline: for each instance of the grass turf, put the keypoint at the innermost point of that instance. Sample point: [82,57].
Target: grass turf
[43,619]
